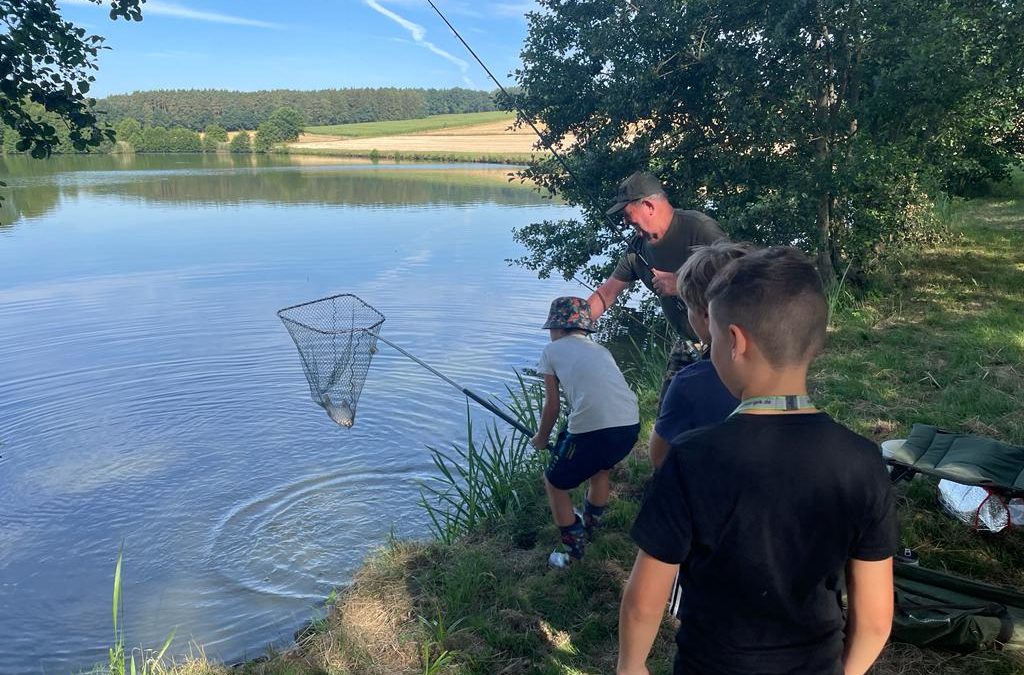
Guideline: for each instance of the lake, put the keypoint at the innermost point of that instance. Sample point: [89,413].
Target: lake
[149,394]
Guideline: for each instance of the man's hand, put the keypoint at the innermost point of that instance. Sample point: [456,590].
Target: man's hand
[664,282]
[539,442]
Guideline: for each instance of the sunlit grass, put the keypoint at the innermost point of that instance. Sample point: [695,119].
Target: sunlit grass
[396,127]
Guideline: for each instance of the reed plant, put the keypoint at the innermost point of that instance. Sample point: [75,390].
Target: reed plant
[149,662]
[483,479]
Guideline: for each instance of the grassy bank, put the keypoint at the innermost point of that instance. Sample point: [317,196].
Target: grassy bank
[941,340]
[482,157]
[396,127]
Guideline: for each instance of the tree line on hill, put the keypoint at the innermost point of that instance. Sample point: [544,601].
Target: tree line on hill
[197,108]
[281,126]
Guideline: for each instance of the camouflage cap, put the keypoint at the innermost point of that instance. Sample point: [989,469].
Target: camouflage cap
[641,184]
[569,313]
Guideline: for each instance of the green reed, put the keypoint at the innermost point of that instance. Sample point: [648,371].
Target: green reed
[147,665]
[482,480]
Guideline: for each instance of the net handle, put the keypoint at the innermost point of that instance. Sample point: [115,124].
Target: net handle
[522,428]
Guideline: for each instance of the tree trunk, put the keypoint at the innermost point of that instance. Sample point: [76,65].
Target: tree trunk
[824,223]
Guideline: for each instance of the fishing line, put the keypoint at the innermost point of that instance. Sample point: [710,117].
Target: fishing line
[632,242]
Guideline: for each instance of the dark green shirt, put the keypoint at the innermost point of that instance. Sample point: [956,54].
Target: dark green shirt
[687,229]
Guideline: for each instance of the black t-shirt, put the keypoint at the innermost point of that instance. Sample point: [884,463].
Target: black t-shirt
[763,512]
[687,229]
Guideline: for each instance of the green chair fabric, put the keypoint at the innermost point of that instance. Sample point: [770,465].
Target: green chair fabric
[971,460]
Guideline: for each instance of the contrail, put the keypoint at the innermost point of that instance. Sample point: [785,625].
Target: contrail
[419,34]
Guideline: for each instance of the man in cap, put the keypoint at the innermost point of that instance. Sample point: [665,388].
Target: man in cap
[664,239]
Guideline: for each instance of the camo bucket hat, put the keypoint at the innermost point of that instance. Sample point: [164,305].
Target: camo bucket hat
[569,313]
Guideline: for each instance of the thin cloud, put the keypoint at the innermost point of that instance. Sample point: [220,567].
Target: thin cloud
[181,12]
[419,34]
[514,8]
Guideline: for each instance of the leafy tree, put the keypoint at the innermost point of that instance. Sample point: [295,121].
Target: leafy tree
[45,60]
[289,122]
[267,134]
[128,131]
[215,132]
[822,123]
[240,143]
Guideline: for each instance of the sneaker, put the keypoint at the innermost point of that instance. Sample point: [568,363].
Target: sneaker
[907,556]
[560,559]
[591,524]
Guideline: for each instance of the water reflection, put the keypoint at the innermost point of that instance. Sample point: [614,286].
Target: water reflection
[36,187]
[149,393]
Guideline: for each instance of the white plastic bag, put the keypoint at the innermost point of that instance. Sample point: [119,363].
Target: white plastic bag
[1016,507]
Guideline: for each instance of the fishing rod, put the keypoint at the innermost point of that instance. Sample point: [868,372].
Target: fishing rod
[632,243]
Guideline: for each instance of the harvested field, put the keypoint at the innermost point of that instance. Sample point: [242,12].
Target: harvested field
[492,137]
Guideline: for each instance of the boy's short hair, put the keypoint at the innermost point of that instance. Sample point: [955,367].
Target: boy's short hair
[776,295]
[701,267]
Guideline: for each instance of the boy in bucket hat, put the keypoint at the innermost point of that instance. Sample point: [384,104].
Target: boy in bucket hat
[604,422]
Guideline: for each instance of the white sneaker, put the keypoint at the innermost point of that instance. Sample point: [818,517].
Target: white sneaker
[559,560]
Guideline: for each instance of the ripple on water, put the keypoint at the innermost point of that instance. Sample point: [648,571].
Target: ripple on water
[294,538]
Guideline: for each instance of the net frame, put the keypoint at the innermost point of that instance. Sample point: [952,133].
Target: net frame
[335,353]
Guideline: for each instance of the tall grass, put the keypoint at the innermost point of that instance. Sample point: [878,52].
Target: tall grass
[149,662]
[482,480]
[838,295]
[1012,187]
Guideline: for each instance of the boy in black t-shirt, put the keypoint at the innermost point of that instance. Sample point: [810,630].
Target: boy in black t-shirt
[766,510]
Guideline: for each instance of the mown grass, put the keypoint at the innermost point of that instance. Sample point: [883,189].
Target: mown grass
[396,127]
[944,344]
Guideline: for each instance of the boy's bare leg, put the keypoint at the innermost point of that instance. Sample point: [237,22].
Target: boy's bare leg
[561,505]
[597,492]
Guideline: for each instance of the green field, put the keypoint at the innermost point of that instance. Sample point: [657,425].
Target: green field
[397,127]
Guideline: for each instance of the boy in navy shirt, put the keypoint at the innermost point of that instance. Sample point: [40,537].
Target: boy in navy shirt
[696,396]
[766,511]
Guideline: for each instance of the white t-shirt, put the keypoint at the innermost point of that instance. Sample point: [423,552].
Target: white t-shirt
[592,382]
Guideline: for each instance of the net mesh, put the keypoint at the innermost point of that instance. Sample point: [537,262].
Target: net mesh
[336,338]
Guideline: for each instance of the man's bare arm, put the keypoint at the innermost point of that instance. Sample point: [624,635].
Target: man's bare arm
[657,449]
[605,296]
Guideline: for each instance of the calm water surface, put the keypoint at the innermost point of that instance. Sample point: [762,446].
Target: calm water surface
[148,392]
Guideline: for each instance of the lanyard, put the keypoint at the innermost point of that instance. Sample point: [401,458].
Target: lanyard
[786,403]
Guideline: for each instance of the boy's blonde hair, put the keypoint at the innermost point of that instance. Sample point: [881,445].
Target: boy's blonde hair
[701,267]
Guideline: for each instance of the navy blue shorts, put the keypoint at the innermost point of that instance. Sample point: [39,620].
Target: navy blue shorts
[577,457]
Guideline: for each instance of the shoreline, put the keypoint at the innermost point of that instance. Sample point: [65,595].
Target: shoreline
[485,601]
[398,156]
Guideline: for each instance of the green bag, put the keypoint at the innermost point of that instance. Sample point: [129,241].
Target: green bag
[939,610]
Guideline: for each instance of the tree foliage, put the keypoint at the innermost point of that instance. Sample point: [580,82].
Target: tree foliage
[197,108]
[821,123]
[215,133]
[283,125]
[240,143]
[45,64]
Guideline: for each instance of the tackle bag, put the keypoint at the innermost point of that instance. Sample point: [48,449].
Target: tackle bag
[943,611]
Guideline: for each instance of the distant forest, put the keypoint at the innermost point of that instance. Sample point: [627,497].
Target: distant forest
[198,108]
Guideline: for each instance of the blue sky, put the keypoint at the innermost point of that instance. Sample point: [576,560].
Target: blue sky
[303,44]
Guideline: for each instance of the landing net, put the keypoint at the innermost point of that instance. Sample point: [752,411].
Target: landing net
[336,338]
